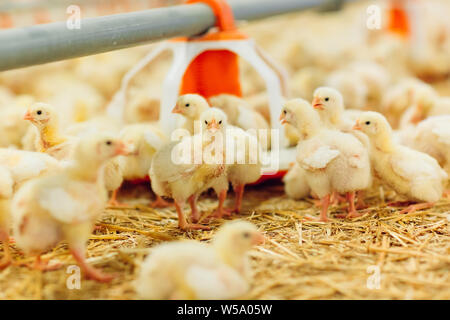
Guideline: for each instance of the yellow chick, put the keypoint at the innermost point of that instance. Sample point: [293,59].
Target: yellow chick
[333,161]
[241,115]
[425,104]
[143,140]
[400,97]
[49,138]
[295,184]
[186,176]
[329,104]
[411,173]
[6,192]
[431,136]
[245,166]
[193,270]
[190,106]
[64,205]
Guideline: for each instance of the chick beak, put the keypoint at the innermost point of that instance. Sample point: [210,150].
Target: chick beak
[283,118]
[258,239]
[357,126]
[213,126]
[317,104]
[122,149]
[27,116]
[177,109]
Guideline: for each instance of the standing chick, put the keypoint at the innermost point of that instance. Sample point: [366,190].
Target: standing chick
[334,161]
[410,173]
[194,270]
[191,107]
[185,179]
[65,205]
[329,103]
[6,191]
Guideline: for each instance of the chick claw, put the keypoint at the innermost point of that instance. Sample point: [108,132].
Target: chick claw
[413,208]
[42,265]
[193,226]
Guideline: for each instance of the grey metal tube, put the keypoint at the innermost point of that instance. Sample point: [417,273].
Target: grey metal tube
[40,44]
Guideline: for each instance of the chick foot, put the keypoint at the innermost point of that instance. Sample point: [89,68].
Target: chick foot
[113,202]
[352,213]
[89,271]
[160,203]
[221,211]
[360,203]
[184,225]
[325,203]
[420,206]
[42,265]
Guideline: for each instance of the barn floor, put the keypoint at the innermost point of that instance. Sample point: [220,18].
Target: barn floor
[300,259]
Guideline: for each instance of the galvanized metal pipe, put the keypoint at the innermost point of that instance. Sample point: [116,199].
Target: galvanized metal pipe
[44,43]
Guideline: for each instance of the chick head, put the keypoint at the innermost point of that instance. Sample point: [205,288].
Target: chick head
[98,148]
[328,100]
[190,105]
[298,112]
[40,114]
[213,120]
[239,236]
[373,124]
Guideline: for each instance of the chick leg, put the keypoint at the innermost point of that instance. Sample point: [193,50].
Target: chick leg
[221,211]
[352,213]
[195,214]
[160,203]
[239,190]
[446,194]
[324,211]
[415,207]
[90,271]
[361,204]
[182,222]
[113,202]
[6,260]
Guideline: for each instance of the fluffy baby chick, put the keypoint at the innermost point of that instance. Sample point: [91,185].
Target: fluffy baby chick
[410,173]
[431,136]
[240,114]
[425,104]
[401,96]
[333,161]
[143,139]
[6,191]
[295,184]
[26,165]
[329,104]
[186,177]
[49,137]
[246,165]
[191,107]
[64,205]
[193,270]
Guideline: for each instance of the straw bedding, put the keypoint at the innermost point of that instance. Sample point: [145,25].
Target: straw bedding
[300,259]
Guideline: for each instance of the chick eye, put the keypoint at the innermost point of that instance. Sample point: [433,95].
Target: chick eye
[284,111]
[220,122]
[39,112]
[186,105]
[367,123]
[108,143]
[206,122]
[326,99]
[246,235]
